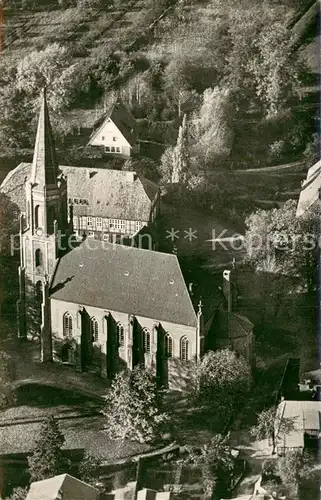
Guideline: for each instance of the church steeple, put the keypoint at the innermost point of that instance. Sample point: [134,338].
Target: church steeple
[46,228]
[44,165]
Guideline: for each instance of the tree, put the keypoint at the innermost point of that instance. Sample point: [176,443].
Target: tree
[9,224]
[262,67]
[18,494]
[212,131]
[181,164]
[270,424]
[167,163]
[293,467]
[274,66]
[15,112]
[216,463]
[88,469]
[9,239]
[9,246]
[47,457]
[175,161]
[51,68]
[132,408]
[88,4]
[311,153]
[281,238]
[7,395]
[222,377]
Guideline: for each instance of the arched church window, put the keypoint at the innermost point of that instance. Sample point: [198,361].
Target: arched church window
[38,257]
[39,291]
[120,334]
[168,346]
[94,329]
[184,349]
[37,216]
[67,325]
[51,218]
[146,340]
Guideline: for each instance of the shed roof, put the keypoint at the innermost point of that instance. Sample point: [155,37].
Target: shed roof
[62,486]
[300,414]
[310,189]
[124,279]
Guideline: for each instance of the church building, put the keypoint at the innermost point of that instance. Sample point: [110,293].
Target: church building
[114,306]
[104,306]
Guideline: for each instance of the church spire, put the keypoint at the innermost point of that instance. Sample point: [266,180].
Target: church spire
[44,164]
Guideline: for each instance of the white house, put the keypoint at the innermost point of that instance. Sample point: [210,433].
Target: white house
[115,131]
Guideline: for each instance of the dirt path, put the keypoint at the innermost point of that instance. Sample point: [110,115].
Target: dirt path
[255,453]
[276,168]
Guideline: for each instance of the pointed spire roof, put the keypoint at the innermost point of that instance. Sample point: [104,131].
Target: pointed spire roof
[44,165]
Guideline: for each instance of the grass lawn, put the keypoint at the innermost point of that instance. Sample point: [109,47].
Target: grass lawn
[194,232]
[29,370]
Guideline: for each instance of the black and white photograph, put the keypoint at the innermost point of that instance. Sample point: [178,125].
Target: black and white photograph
[160,234]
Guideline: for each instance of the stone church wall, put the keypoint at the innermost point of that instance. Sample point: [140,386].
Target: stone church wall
[178,371]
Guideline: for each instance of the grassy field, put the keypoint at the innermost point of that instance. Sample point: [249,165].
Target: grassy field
[88,29]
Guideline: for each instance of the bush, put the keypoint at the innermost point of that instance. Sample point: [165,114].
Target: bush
[221,379]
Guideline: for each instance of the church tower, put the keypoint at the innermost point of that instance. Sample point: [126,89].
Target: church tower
[45,222]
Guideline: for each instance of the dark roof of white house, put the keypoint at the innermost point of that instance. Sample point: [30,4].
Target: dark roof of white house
[124,279]
[63,486]
[309,194]
[122,118]
[110,193]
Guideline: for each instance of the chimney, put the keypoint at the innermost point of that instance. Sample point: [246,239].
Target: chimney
[227,289]
[131,176]
[90,173]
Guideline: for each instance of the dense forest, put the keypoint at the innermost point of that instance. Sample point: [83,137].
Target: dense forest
[233,67]
[216,87]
